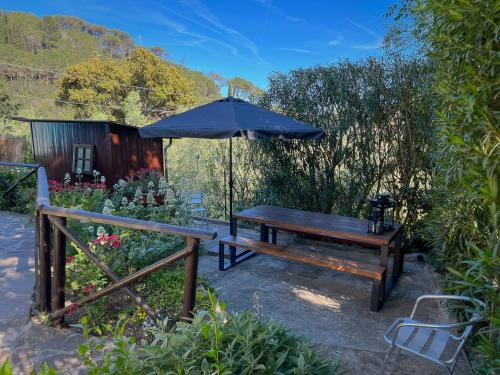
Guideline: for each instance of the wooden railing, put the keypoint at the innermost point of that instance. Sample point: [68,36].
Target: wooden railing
[50,258]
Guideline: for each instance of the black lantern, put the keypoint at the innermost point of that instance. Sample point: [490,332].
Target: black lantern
[381,217]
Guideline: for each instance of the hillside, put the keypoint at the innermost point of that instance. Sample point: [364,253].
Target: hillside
[35,51]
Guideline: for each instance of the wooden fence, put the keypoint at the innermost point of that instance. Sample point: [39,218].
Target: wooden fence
[50,257]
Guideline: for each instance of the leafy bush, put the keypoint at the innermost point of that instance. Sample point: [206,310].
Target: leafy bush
[6,369]
[377,119]
[461,42]
[215,342]
[22,198]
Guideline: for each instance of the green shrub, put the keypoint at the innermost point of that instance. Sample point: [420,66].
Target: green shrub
[215,342]
[22,198]
[461,40]
[6,369]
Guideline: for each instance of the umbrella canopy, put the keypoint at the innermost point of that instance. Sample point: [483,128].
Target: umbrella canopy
[227,118]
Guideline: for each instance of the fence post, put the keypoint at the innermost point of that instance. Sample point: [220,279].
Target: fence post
[59,268]
[190,278]
[44,282]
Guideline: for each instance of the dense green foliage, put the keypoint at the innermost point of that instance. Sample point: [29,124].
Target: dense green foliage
[377,119]
[461,40]
[6,369]
[105,84]
[22,198]
[215,342]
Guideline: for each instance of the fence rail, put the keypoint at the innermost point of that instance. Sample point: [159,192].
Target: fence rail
[50,258]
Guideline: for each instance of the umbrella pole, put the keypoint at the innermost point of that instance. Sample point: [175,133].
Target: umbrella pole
[231,222]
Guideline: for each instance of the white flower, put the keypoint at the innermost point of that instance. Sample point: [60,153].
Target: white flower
[162,187]
[131,206]
[150,199]
[122,183]
[103,180]
[101,231]
[95,173]
[78,170]
[151,185]
[108,207]
[91,229]
[124,202]
[138,196]
[67,179]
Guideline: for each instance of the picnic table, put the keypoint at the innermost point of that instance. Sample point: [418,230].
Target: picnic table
[334,227]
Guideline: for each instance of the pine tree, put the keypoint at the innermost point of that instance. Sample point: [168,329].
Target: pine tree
[132,110]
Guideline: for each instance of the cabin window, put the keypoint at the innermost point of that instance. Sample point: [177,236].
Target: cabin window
[83,158]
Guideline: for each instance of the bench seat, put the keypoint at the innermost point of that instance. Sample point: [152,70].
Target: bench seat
[374,272]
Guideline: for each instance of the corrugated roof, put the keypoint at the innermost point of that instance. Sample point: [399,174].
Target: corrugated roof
[24,119]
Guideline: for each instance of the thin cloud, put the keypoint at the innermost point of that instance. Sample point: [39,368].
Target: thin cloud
[369,46]
[180,28]
[362,27]
[335,42]
[202,11]
[376,44]
[297,50]
[280,12]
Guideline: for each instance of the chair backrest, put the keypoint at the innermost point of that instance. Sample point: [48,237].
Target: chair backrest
[196,198]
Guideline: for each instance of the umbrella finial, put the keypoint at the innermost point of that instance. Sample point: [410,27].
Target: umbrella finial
[229,88]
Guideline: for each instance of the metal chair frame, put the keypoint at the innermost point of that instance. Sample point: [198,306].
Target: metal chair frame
[198,203]
[467,326]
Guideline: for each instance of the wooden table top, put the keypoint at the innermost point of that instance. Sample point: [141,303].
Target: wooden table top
[340,227]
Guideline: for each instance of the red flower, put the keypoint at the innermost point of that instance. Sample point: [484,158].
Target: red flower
[88,288]
[113,240]
[69,259]
[52,182]
[72,308]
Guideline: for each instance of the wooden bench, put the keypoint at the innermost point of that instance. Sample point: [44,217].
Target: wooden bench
[250,247]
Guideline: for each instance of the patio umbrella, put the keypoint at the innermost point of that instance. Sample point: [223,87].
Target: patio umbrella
[227,118]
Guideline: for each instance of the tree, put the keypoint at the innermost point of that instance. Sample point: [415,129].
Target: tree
[132,110]
[7,109]
[166,88]
[95,84]
[51,33]
[158,51]
[245,89]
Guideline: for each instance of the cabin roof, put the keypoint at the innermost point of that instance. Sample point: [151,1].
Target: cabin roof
[24,119]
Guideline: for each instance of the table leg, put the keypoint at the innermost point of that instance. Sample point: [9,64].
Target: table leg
[233,227]
[384,256]
[274,236]
[264,233]
[398,256]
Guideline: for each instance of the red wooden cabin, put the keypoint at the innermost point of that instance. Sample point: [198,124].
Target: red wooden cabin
[115,150]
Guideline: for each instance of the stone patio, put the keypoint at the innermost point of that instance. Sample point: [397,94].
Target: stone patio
[330,308]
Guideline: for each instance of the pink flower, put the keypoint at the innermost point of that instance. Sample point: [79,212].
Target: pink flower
[70,259]
[113,240]
[88,288]
[72,308]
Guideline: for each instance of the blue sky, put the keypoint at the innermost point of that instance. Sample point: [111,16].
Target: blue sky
[246,38]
